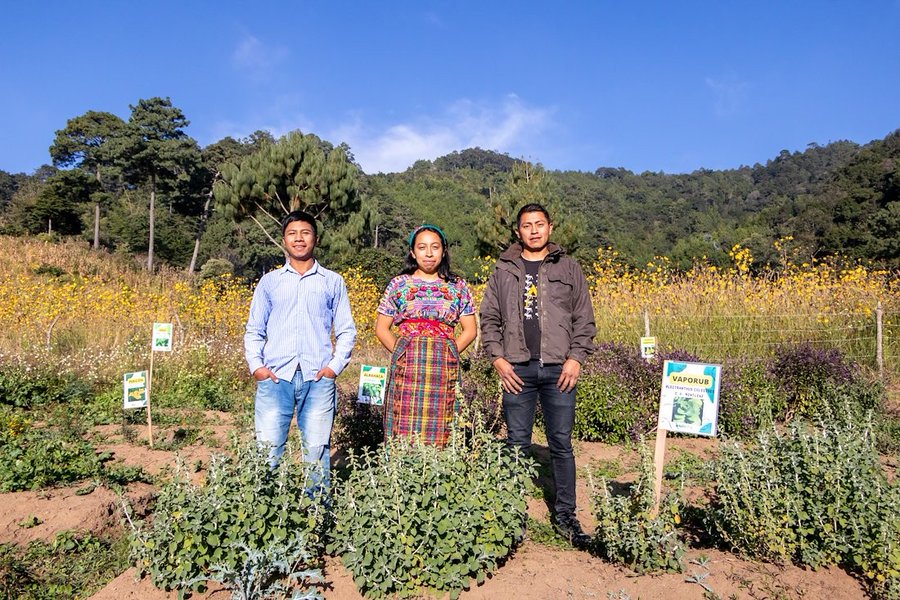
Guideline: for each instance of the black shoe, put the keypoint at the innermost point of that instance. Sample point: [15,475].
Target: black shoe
[569,527]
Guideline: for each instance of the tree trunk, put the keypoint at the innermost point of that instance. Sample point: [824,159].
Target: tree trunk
[97,214]
[96,226]
[202,227]
[152,221]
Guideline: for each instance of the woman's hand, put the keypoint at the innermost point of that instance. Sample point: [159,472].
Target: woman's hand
[469,330]
[383,332]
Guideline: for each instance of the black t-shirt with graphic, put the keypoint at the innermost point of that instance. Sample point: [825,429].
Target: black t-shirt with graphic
[531,305]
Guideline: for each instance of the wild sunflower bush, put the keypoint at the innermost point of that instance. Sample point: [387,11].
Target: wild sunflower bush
[411,517]
[248,525]
[811,496]
[628,532]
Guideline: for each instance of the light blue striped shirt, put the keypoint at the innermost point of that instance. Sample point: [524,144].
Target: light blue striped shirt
[291,321]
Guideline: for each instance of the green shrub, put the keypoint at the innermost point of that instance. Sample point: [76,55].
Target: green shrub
[750,398]
[71,566]
[807,375]
[627,530]
[32,458]
[688,469]
[619,392]
[357,426]
[232,528]
[888,434]
[481,395]
[813,497]
[195,389]
[26,387]
[411,517]
[604,410]
[215,268]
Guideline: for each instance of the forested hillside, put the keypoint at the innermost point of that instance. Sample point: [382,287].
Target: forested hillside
[222,202]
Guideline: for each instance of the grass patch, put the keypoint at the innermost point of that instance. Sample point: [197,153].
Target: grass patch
[72,566]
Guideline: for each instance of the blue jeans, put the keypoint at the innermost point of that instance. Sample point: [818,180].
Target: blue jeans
[559,419]
[315,403]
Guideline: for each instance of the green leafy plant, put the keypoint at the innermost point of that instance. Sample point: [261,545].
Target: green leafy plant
[750,397]
[543,532]
[628,531]
[30,521]
[73,565]
[888,434]
[33,458]
[481,393]
[357,425]
[813,496]
[219,530]
[269,572]
[411,517]
[605,410]
[688,469]
[28,387]
[608,468]
[195,389]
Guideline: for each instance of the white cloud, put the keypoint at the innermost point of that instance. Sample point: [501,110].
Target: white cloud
[509,126]
[729,96]
[256,59]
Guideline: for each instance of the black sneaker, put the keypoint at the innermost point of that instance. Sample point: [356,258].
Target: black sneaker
[569,527]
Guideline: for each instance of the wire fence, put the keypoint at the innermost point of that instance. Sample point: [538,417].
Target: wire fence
[870,338]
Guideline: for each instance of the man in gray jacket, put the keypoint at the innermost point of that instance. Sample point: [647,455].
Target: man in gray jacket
[537,326]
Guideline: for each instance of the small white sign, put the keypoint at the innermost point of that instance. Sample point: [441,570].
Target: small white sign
[648,347]
[135,390]
[372,383]
[162,337]
[689,399]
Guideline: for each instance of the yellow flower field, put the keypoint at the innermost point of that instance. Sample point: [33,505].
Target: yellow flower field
[89,311]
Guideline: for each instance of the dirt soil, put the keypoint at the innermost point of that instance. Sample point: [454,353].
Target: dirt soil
[534,572]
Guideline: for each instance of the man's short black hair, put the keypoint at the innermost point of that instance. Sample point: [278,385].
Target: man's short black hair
[532,207]
[299,215]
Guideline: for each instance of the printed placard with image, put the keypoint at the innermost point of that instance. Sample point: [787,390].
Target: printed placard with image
[162,337]
[372,382]
[689,400]
[648,347]
[135,390]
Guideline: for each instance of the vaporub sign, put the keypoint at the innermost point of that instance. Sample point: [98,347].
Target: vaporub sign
[689,400]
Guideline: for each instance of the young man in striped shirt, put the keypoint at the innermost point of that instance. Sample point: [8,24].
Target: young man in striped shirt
[295,310]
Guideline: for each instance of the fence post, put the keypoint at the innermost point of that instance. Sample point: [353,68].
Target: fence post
[879,341]
[646,323]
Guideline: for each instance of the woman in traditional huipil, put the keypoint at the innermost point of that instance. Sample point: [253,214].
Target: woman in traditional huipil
[425,302]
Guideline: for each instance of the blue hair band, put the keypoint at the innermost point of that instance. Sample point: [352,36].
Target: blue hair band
[427,227]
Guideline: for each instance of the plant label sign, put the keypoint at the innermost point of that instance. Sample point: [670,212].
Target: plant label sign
[689,400]
[648,348]
[162,337]
[135,390]
[372,383]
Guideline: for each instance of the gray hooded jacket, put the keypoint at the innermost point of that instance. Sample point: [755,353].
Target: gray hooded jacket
[566,313]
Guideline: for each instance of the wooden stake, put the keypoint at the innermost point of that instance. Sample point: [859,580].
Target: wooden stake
[879,340]
[659,455]
[149,389]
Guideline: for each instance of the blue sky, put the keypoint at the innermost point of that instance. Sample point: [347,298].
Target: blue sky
[649,86]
